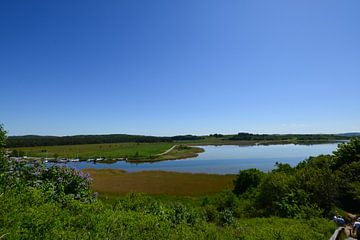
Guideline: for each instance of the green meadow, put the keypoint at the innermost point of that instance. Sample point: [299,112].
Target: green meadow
[107,150]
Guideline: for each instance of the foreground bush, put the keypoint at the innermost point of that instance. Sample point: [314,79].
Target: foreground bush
[58,181]
[29,214]
[313,188]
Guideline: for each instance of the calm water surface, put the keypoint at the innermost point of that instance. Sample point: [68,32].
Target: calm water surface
[224,159]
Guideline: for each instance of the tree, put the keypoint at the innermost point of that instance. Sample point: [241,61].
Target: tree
[283,167]
[2,138]
[4,163]
[274,188]
[349,187]
[3,160]
[318,180]
[247,179]
[347,153]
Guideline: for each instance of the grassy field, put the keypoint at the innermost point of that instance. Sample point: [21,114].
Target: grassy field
[118,182]
[284,228]
[107,150]
[176,152]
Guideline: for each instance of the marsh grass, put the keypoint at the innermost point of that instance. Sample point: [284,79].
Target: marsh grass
[118,182]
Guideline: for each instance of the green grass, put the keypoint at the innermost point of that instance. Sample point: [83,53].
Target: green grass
[284,228]
[107,150]
[178,152]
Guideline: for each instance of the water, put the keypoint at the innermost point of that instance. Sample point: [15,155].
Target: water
[224,159]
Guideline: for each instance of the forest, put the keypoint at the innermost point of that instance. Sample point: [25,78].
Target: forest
[284,137]
[34,140]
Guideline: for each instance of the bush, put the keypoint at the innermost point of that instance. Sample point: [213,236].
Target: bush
[318,180]
[286,229]
[273,190]
[221,208]
[246,180]
[57,180]
[347,153]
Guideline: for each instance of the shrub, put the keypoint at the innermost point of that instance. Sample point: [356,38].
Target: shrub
[347,153]
[59,181]
[247,179]
[273,191]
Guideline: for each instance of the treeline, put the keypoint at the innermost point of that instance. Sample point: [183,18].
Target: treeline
[34,140]
[286,137]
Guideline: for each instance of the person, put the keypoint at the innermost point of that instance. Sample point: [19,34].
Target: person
[356,228]
[339,220]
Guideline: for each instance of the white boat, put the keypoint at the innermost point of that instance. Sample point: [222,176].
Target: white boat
[74,160]
[62,160]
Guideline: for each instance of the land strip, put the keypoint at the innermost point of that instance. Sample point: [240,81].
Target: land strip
[106,150]
[176,152]
[110,152]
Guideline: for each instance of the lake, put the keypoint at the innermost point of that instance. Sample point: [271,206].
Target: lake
[225,159]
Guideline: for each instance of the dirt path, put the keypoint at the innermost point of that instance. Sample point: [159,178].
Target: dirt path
[351,216]
[167,151]
[342,233]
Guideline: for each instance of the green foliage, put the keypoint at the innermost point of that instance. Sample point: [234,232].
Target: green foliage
[4,164]
[32,140]
[216,135]
[312,188]
[247,179]
[317,179]
[287,137]
[29,214]
[110,151]
[17,153]
[221,208]
[2,138]
[347,153]
[284,168]
[59,182]
[286,229]
[273,190]
[347,169]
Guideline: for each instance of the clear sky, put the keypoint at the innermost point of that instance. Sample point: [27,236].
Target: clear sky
[176,67]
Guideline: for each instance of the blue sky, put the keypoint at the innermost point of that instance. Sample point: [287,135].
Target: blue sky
[178,67]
